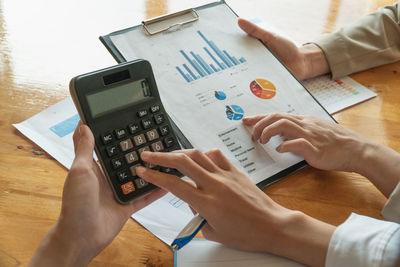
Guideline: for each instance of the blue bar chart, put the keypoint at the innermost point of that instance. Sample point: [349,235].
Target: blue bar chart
[197,67]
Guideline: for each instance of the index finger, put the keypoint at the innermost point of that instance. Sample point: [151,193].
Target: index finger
[171,183]
[270,119]
[179,161]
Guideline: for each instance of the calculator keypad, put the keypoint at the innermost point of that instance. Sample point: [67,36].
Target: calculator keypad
[152,135]
[120,133]
[107,138]
[126,144]
[131,157]
[127,188]
[123,146]
[147,123]
[139,140]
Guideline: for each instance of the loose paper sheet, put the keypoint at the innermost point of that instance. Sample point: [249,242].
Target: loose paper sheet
[52,130]
[204,253]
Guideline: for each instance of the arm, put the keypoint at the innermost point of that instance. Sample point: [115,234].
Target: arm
[239,214]
[360,241]
[371,41]
[330,146]
[90,217]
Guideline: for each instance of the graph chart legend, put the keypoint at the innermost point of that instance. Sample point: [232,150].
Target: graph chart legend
[198,67]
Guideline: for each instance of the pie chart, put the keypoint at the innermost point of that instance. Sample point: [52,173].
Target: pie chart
[234,112]
[220,95]
[263,88]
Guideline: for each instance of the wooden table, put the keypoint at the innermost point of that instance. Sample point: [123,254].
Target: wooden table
[45,43]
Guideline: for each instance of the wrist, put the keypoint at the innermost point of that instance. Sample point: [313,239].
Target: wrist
[365,158]
[381,165]
[315,60]
[301,238]
[58,249]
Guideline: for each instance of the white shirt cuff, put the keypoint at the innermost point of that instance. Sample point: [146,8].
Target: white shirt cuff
[364,241]
[391,211]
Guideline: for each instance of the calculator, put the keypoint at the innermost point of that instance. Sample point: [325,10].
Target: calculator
[122,107]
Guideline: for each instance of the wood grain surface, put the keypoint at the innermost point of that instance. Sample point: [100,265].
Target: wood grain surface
[43,44]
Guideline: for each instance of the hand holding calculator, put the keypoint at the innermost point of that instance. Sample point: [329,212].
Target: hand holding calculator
[122,107]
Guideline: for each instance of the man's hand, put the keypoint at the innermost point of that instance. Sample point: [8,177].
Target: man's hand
[304,62]
[323,144]
[238,214]
[330,146]
[90,216]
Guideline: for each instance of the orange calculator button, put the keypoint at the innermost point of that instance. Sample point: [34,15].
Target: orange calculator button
[127,188]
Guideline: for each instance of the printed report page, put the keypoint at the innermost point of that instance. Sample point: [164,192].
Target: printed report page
[210,75]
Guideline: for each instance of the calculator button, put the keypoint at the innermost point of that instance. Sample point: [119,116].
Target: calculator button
[122,176]
[142,113]
[107,138]
[146,148]
[164,130]
[126,144]
[140,183]
[150,165]
[155,108]
[152,135]
[131,157]
[133,169]
[120,133]
[159,118]
[170,171]
[127,188]
[116,163]
[147,123]
[112,150]
[139,139]
[169,142]
[133,128]
[157,146]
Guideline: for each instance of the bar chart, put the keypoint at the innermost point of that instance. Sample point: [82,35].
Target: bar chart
[197,67]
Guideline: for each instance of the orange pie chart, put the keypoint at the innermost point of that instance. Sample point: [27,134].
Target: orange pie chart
[263,88]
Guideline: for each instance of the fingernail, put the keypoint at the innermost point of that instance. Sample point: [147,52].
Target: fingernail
[145,155]
[80,130]
[278,148]
[140,169]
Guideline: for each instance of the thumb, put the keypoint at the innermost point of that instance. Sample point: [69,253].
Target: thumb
[85,144]
[255,31]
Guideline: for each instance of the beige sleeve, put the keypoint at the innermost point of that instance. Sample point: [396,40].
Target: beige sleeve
[391,211]
[371,41]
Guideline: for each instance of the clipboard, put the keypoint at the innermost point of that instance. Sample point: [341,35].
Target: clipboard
[173,22]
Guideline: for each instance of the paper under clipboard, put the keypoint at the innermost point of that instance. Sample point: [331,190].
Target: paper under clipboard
[210,74]
[204,253]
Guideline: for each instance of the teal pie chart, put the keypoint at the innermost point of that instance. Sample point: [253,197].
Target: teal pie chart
[220,95]
[234,112]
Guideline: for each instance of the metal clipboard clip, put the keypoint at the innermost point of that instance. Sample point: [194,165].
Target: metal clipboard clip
[170,22]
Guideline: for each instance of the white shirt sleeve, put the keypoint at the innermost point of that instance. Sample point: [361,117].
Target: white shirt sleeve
[364,241]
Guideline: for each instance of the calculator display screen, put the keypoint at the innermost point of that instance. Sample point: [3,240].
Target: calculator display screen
[118,97]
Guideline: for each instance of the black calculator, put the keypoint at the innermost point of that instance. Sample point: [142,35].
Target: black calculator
[122,107]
